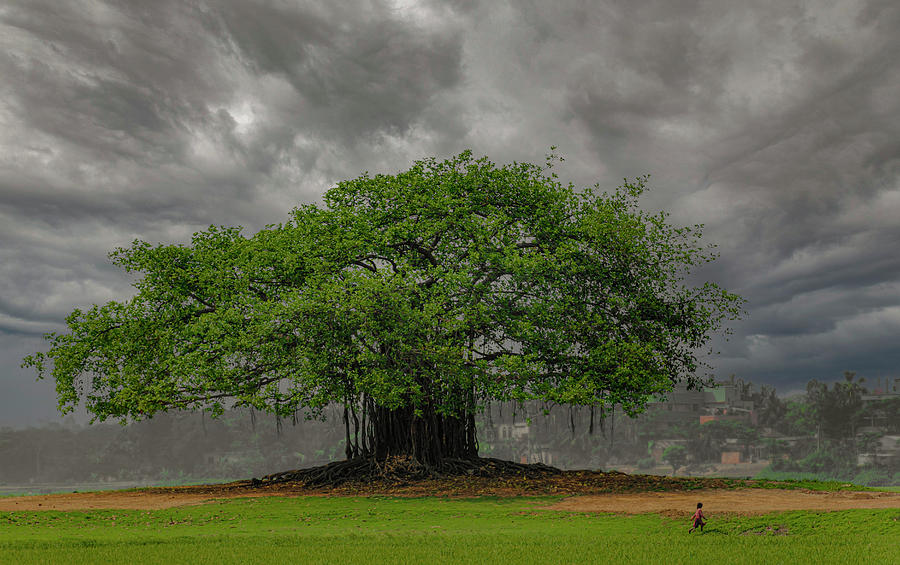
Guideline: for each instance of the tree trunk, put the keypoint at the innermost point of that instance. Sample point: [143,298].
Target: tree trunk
[427,437]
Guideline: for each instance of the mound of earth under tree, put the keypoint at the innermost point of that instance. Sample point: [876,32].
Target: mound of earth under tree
[585,491]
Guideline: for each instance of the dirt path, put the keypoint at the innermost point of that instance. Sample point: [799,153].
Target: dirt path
[732,501]
[715,501]
[127,500]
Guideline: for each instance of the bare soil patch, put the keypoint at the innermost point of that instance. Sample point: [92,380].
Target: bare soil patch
[591,491]
[743,501]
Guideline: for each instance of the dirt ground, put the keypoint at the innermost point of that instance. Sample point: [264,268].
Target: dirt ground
[725,502]
[125,500]
[586,491]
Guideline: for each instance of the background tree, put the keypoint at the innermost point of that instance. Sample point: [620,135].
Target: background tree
[706,441]
[799,418]
[676,456]
[702,445]
[409,300]
[747,436]
[775,447]
[883,412]
[839,410]
[770,409]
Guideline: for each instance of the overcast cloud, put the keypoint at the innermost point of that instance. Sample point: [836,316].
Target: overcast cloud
[777,124]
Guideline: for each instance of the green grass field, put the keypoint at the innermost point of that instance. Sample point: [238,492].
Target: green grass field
[428,530]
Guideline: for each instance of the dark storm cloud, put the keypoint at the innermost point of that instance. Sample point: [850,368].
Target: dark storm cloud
[363,71]
[144,116]
[777,124]
[129,86]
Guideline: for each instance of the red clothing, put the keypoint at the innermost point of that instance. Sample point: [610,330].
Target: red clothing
[698,517]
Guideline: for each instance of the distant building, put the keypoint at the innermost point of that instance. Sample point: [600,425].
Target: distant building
[884,452]
[724,402]
[514,431]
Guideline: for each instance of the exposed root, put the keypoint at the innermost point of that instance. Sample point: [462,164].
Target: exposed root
[401,470]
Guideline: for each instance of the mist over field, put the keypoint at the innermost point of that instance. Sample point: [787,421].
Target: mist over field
[737,429]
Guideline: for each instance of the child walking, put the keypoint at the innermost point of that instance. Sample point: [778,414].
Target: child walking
[698,518]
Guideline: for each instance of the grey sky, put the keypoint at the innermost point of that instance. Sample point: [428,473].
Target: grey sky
[777,124]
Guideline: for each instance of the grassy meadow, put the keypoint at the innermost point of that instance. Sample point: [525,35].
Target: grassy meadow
[428,530]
